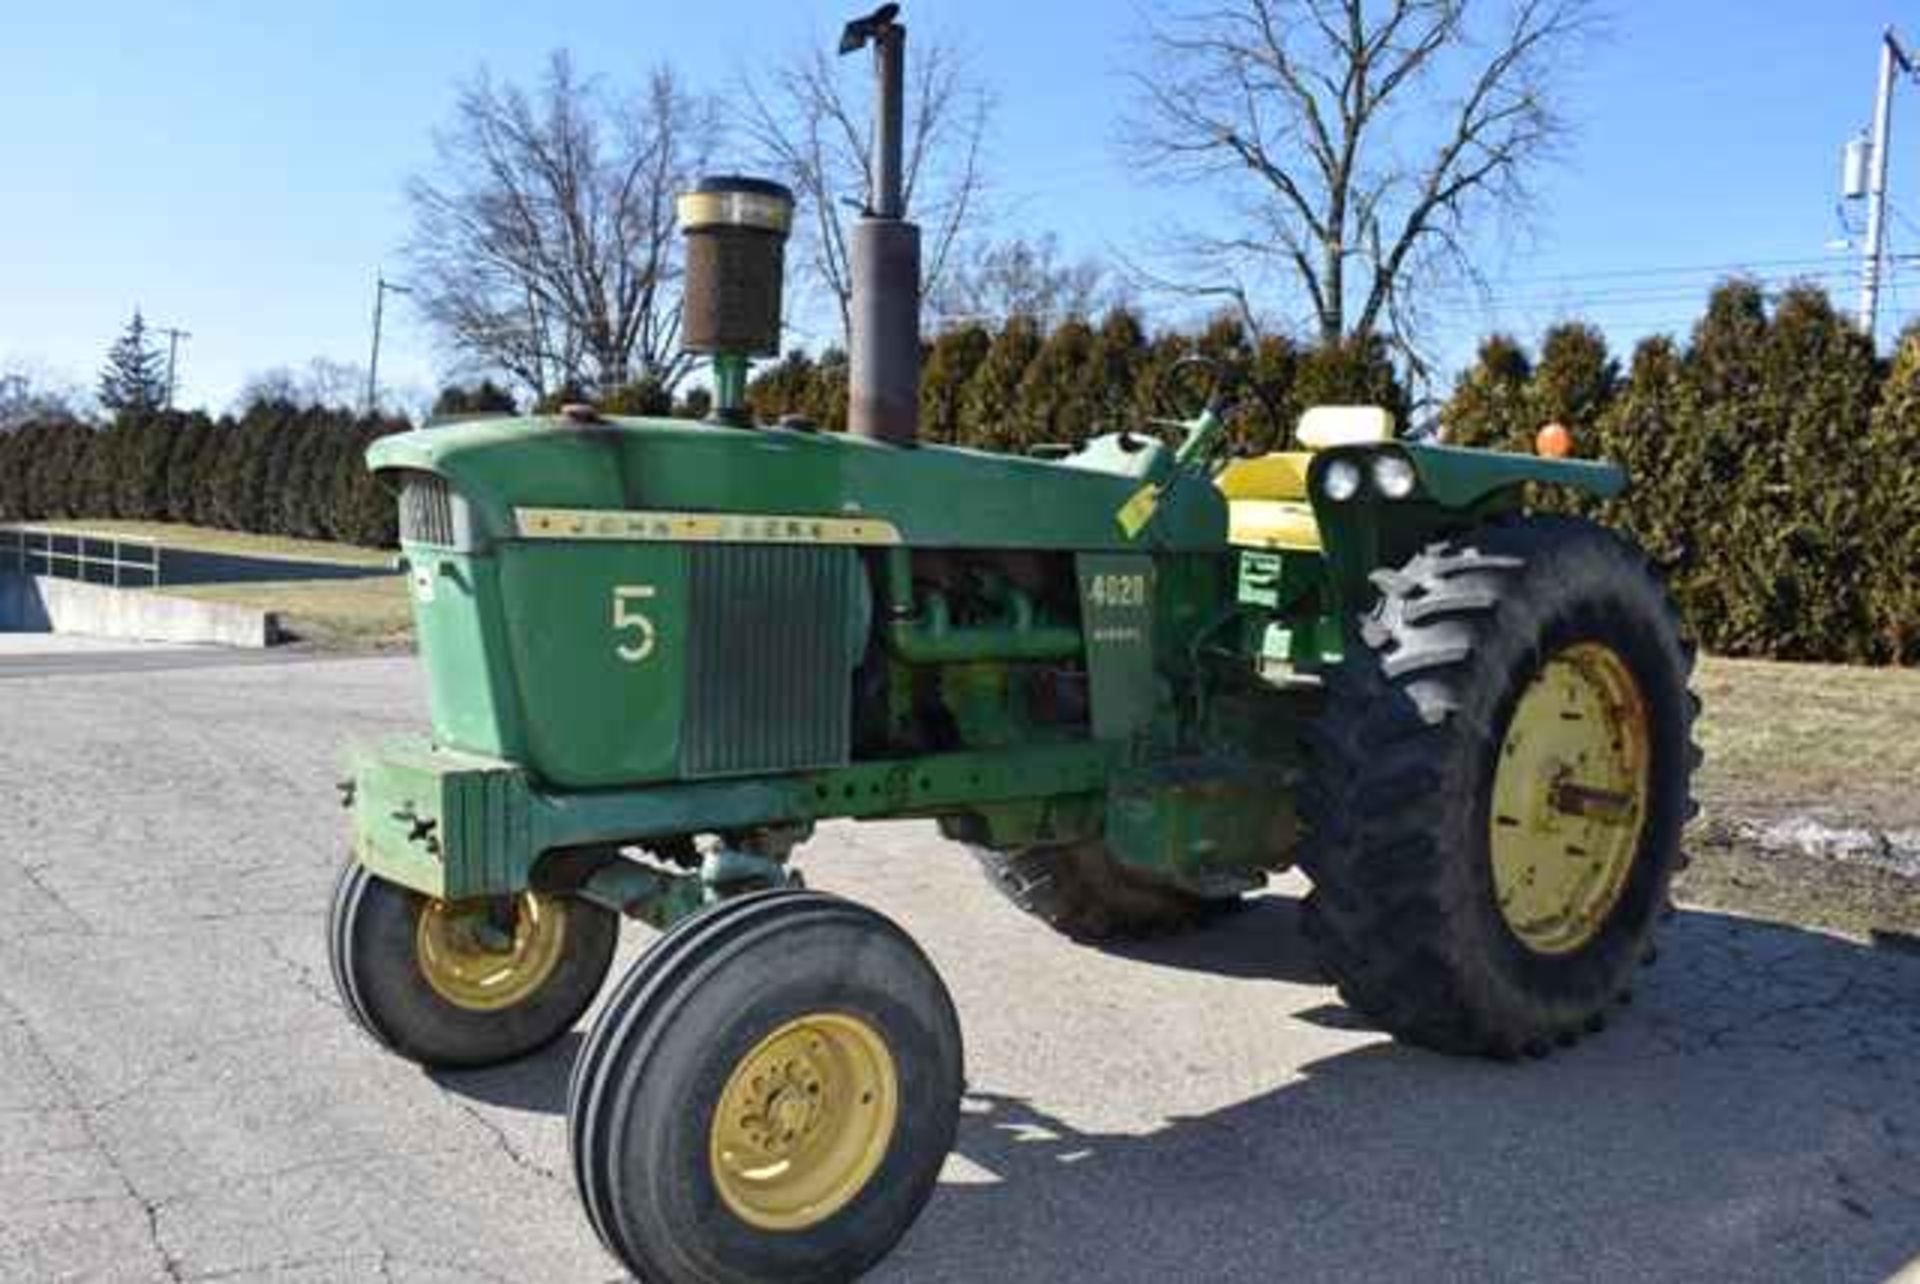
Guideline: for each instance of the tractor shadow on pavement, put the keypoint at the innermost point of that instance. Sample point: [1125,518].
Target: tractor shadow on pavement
[1753,1115]
[1259,937]
[536,1084]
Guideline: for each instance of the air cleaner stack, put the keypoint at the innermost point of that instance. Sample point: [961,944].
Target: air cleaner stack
[736,230]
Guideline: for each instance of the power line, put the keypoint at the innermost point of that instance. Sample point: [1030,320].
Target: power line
[1660,294]
[1834,271]
[1698,269]
[1463,300]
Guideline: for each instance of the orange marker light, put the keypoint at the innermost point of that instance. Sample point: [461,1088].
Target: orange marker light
[1553,442]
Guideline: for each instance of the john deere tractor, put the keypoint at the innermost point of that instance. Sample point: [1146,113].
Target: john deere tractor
[1135,679]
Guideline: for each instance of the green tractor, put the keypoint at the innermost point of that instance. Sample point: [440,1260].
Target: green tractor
[1135,679]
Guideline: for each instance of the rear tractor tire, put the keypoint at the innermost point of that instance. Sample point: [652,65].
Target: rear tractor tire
[1082,891]
[469,984]
[1498,785]
[769,1094]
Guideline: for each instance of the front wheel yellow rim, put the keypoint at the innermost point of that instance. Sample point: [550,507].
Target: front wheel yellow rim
[804,1122]
[482,960]
[1570,798]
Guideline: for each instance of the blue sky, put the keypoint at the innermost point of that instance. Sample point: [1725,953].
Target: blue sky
[236,168]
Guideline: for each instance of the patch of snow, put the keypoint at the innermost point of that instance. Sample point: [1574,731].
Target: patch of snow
[1897,850]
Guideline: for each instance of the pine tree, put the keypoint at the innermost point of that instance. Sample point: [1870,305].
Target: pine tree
[1807,549]
[643,396]
[951,362]
[13,482]
[1489,406]
[483,398]
[824,400]
[1226,363]
[1054,401]
[1645,429]
[1724,457]
[296,510]
[140,483]
[184,464]
[134,380]
[990,405]
[781,389]
[695,403]
[1354,372]
[1574,382]
[1163,388]
[1892,450]
[1271,407]
[212,471]
[1119,350]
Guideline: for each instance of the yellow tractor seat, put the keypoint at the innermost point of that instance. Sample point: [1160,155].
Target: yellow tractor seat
[1281,475]
[1267,502]
[1273,523]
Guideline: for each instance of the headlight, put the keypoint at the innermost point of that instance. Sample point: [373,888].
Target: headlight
[1393,476]
[1341,481]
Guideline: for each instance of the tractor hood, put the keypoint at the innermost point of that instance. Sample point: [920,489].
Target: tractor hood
[932,496]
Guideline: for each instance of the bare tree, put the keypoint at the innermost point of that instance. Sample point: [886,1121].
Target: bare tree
[544,243]
[323,384]
[814,129]
[28,397]
[993,280]
[1361,142]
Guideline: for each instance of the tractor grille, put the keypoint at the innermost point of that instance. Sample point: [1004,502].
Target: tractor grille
[426,510]
[776,633]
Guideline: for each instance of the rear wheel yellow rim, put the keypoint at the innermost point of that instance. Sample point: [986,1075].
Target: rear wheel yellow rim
[487,962]
[804,1121]
[1570,799]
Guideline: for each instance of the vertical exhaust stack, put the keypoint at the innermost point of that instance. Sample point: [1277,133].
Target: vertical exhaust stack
[884,374]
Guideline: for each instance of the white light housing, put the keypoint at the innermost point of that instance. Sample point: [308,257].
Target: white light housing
[1324,427]
[1393,476]
[1341,481]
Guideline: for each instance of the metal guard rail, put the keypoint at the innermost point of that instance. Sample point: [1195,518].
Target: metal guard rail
[120,560]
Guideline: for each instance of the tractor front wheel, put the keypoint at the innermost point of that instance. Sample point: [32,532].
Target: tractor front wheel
[1498,786]
[464,984]
[768,1095]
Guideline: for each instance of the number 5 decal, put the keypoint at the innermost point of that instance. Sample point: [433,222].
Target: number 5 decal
[627,616]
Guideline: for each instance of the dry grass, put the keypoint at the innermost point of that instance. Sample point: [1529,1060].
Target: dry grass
[370,614]
[1819,739]
[203,539]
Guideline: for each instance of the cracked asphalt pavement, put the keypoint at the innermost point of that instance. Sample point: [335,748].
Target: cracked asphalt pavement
[181,1097]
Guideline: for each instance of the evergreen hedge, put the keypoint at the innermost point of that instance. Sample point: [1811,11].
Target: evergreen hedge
[1775,461]
[1022,386]
[279,469]
[1774,465]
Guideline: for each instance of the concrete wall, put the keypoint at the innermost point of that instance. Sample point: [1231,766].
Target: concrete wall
[43,604]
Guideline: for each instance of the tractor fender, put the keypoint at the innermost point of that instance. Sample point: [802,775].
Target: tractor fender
[1456,485]
[1459,477]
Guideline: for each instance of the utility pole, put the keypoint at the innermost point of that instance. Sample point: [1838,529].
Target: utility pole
[381,288]
[1893,59]
[174,335]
